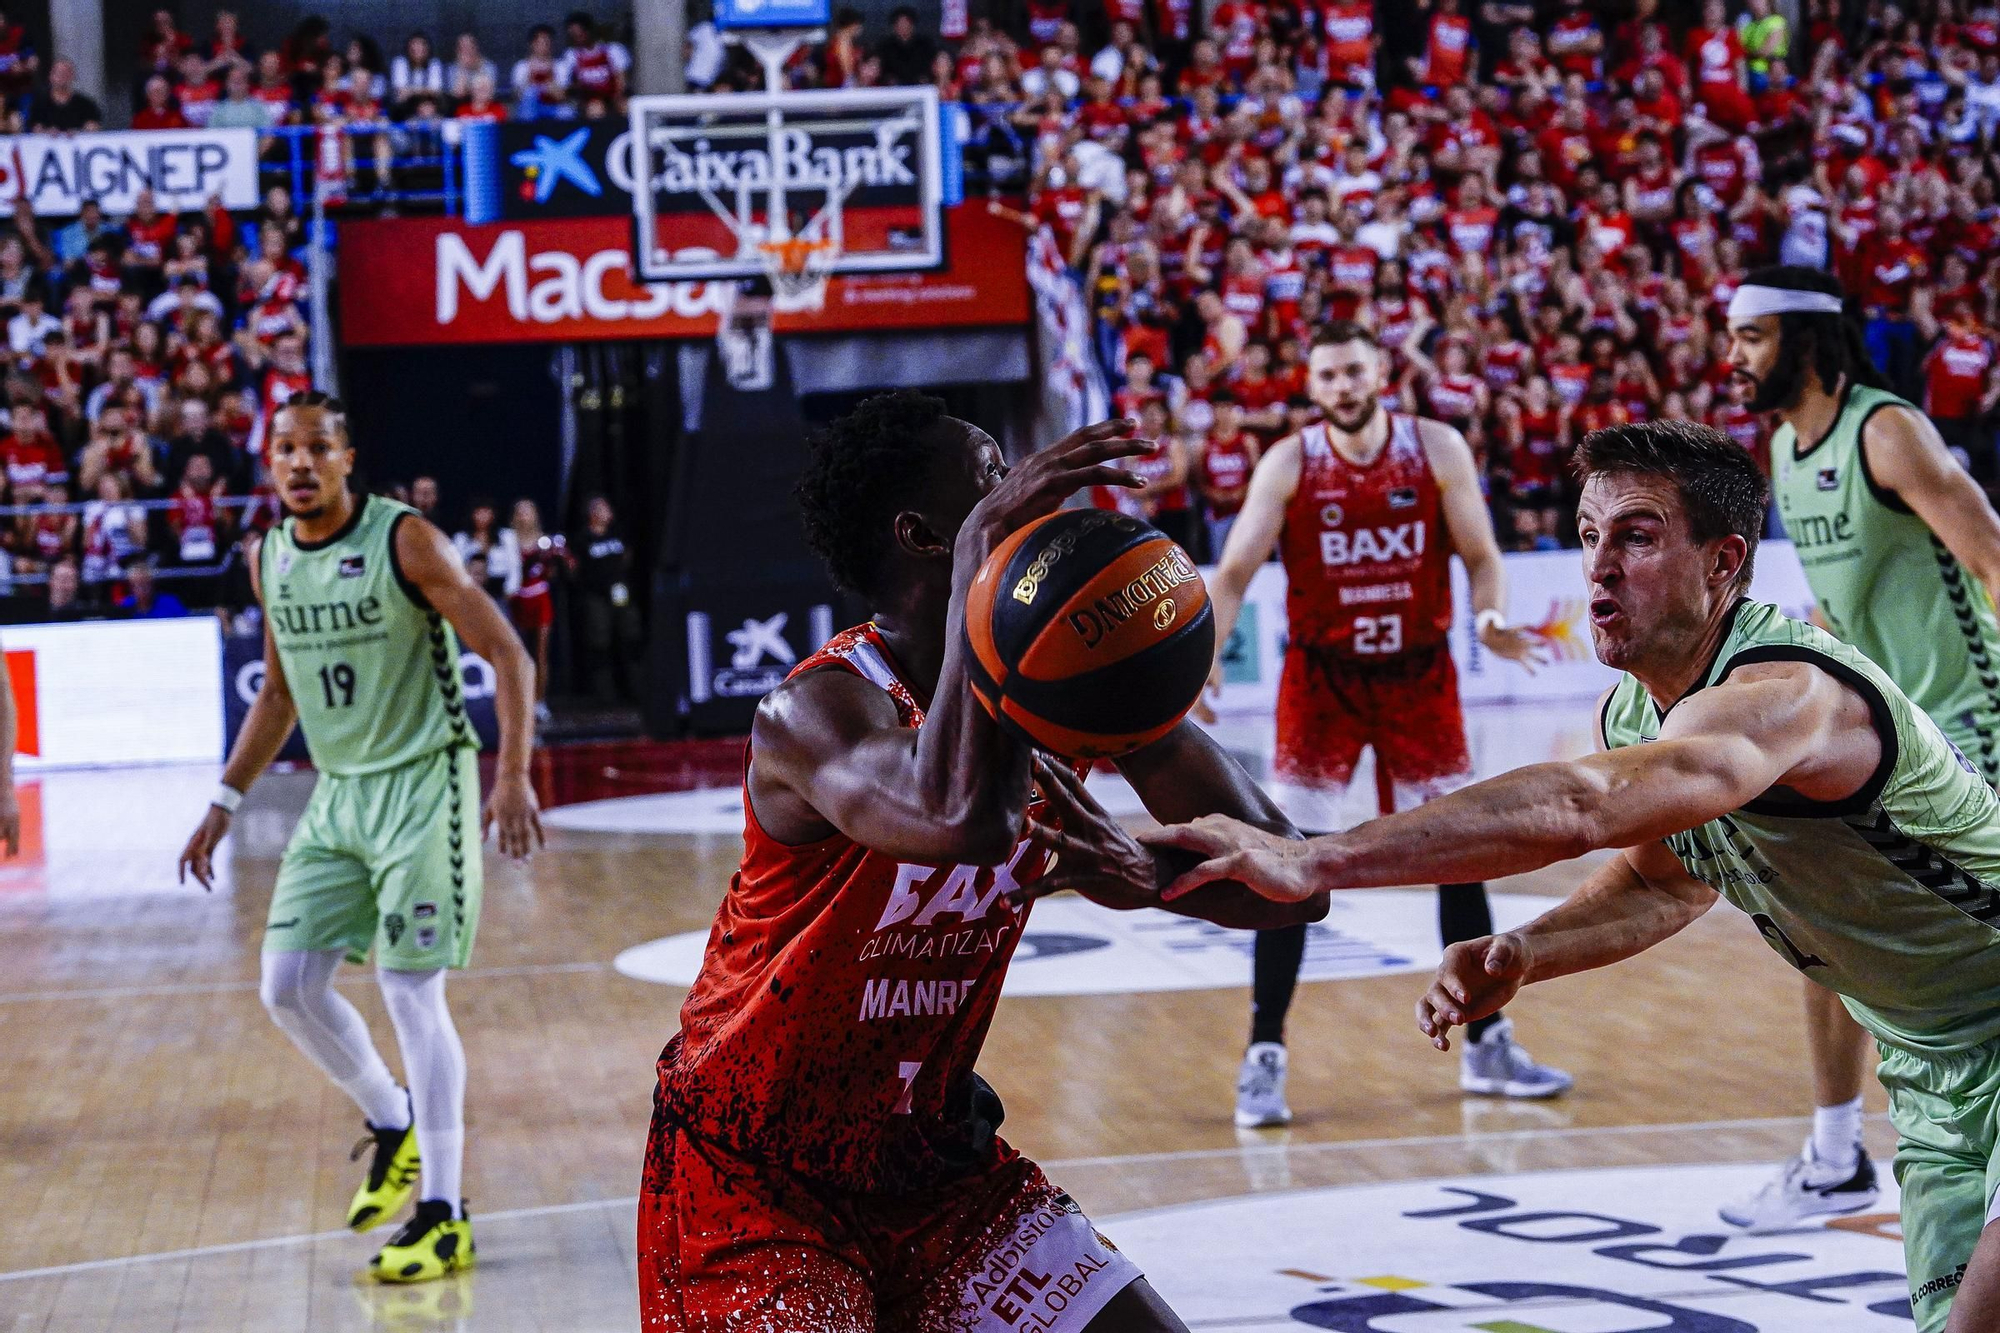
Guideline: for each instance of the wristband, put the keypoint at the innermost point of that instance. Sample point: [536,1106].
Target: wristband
[1490,618]
[226,798]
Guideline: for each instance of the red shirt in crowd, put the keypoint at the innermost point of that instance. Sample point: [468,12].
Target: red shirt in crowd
[1448,53]
[1349,26]
[32,461]
[1956,373]
[1569,42]
[170,118]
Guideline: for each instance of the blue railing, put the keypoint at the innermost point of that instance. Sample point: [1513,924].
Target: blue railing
[426,164]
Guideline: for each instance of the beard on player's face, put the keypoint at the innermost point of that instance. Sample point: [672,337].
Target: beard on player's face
[1349,414]
[1777,388]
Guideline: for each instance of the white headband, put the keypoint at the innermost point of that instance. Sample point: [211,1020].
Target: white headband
[1752,301]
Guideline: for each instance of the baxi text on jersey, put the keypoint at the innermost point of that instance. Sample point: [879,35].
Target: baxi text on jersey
[1377,545]
[961,892]
[1106,614]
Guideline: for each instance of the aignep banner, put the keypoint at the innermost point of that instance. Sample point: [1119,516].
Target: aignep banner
[183,169]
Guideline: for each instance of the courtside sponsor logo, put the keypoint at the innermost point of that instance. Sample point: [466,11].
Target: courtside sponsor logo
[1034,1276]
[1601,1251]
[1071,947]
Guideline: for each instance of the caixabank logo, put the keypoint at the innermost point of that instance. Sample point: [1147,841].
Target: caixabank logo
[1626,1250]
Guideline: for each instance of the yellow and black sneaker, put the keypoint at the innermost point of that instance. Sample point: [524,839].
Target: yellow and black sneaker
[392,1176]
[431,1245]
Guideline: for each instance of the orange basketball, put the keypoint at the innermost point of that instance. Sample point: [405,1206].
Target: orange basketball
[1091,634]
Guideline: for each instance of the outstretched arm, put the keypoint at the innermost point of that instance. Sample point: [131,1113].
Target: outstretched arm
[1640,898]
[1180,776]
[1471,527]
[1770,722]
[426,557]
[272,716]
[1254,535]
[1906,455]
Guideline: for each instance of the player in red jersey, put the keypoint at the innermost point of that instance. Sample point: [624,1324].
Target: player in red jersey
[822,1158]
[1962,386]
[1366,511]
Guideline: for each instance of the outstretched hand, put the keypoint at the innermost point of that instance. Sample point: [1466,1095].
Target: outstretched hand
[1094,854]
[1042,482]
[1274,867]
[1476,978]
[1529,649]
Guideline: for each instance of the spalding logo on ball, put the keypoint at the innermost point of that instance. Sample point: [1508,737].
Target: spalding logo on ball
[1091,634]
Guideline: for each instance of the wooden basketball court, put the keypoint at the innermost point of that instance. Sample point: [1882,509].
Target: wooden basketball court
[170,1162]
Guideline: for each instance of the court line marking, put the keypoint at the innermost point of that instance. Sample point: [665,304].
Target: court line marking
[226,987]
[1053,1164]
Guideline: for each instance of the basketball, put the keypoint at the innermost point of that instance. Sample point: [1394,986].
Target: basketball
[1091,633]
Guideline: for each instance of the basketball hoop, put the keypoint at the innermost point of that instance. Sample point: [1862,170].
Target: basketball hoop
[798,268]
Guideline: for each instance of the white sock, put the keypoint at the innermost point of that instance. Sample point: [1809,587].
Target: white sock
[435,1063]
[297,990]
[1836,1134]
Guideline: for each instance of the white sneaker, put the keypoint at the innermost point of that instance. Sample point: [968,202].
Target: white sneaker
[1260,1087]
[1805,1188]
[1494,1066]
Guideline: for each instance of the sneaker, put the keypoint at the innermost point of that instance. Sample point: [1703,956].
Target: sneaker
[1494,1066]
[1806,1188]
[1260,1087]
[431,1245]
[392,1175]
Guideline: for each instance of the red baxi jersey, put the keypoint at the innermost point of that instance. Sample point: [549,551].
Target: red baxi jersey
[1366,553]
[844,997]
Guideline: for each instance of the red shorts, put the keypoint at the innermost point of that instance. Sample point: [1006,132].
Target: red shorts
[1002,1251]
[533,611]
[1406,708]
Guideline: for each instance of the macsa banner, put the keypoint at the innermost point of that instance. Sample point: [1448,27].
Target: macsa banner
[1545,595]
[414,282]
[183,169]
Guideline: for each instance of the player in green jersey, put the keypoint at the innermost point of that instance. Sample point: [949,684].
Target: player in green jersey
[1901,550]
[1779,768]
[364,602]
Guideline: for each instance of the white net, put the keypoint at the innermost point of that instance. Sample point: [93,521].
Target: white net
[798,270]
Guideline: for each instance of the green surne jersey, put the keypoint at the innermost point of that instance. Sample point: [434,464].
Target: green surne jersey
[373,669]
[1887,585]
[1891,897]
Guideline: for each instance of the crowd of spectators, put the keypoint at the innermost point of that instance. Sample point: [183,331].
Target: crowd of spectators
[1541,207]
[368,113]
[143,358]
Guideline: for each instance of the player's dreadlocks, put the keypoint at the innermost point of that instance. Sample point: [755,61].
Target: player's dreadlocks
[861,471]
[1831,344]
